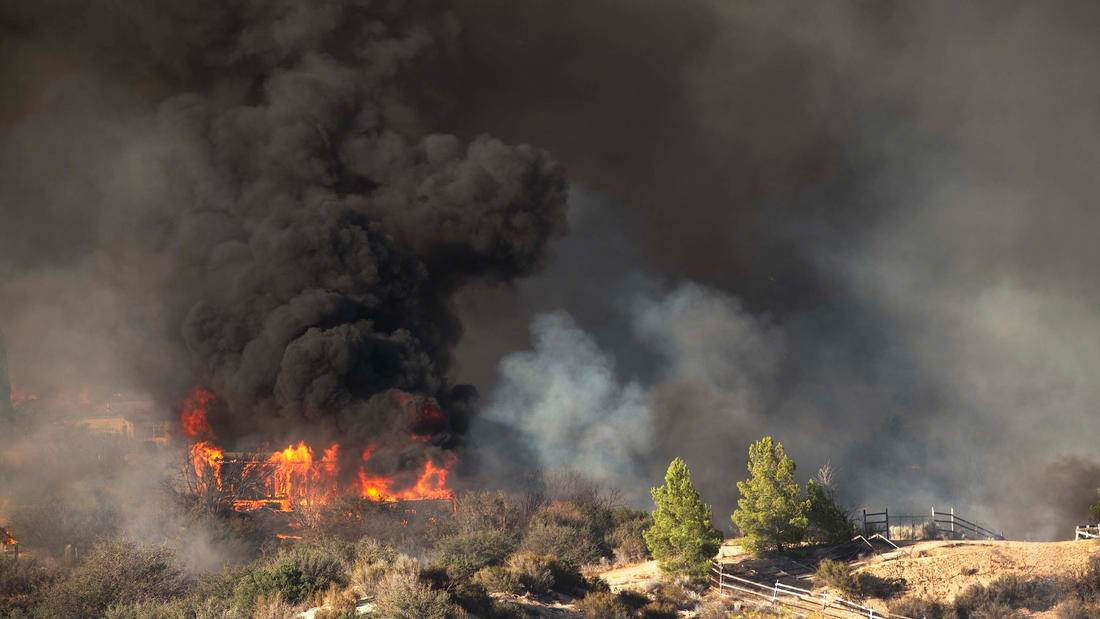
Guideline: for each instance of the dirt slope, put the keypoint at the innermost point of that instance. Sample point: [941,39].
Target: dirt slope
[942,569]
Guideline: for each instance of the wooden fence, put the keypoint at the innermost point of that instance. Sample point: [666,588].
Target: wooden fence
[1086,531]
[801,603]
[939,523]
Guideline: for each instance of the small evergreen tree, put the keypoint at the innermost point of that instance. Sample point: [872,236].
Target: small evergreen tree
[827,522]
[770,512]
[682,538]
[1095,508]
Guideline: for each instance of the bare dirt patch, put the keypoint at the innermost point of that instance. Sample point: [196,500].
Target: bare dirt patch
[942,569]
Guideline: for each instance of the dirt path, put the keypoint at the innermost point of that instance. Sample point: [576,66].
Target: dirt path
[632,576]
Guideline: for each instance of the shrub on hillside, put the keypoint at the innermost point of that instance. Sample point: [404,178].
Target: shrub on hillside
[464,554]
[23,577]
[627,536]
[603,605]
[827,521]
[403,596]
[498,579]
[1004,595]
[839,576]
[926,608]
[1085,585]
[115,572]
[294,574]
[569,544]
[1076,609]
[273,608]
[658,610]
[191,607]
[374,561]
[482,510]
[535,572]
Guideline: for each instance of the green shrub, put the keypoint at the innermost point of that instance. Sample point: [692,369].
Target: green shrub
[292,575]
[838,575]
[498,579]
[827,521]
[466,553]
[115,573]
[403,596]
[570,545]
[535,572]
[603,605]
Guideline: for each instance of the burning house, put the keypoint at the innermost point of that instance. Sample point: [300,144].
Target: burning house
[297,478]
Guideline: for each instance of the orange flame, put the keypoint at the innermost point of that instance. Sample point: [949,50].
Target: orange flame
[431,484]
[193,414]
[297,477]
[204,455]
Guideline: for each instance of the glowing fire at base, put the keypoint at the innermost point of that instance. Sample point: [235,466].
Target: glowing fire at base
[294,478]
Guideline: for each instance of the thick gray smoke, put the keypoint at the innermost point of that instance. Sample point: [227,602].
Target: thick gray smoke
[904,193]
[866,229]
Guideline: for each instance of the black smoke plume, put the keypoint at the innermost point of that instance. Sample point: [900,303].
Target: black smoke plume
[270,214]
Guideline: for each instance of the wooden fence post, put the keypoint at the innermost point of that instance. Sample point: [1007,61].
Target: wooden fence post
[952,522]
[886,512]
[935,527]
[865,521]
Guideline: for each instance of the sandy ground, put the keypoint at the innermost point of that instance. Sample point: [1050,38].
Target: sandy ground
[943,569]
[633,577]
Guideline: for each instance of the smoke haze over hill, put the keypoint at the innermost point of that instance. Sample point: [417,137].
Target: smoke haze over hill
[867,229]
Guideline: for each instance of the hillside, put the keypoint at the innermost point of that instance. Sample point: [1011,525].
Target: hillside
[942,569]
[937,570]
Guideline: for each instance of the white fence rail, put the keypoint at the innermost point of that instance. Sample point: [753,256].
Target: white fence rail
[1087,532]
[800,602]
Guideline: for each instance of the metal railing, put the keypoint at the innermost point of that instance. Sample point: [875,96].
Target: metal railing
[939,523]
[801,602]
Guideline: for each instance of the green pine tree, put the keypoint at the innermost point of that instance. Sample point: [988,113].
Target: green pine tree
[1094,509]
[682,538]
[771,511]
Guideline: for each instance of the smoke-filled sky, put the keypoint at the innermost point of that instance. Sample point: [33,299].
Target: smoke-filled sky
[640,228]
